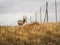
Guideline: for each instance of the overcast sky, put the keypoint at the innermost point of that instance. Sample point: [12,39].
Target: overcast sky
[12,10]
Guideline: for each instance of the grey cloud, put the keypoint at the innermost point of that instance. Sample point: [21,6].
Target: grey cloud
[19,6]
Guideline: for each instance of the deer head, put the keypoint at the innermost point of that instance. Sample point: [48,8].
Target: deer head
[24,19]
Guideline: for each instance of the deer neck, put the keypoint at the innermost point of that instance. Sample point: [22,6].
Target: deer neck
[24,20]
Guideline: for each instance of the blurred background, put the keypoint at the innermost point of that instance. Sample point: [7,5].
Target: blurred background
[13,10]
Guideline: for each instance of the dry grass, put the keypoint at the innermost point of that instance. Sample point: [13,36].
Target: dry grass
[31,34]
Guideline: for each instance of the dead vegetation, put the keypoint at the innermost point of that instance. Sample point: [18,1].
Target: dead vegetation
[31,34]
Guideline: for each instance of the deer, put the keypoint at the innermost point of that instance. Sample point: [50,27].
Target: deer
[22,22]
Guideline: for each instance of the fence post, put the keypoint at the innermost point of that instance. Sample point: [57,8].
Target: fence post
[56,10]
[35,16]
[30,19]
[40,14]
[46,14]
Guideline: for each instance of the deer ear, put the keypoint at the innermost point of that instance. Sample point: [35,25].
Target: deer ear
[24,17]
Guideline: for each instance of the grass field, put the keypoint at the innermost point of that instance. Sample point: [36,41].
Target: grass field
[31,34]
